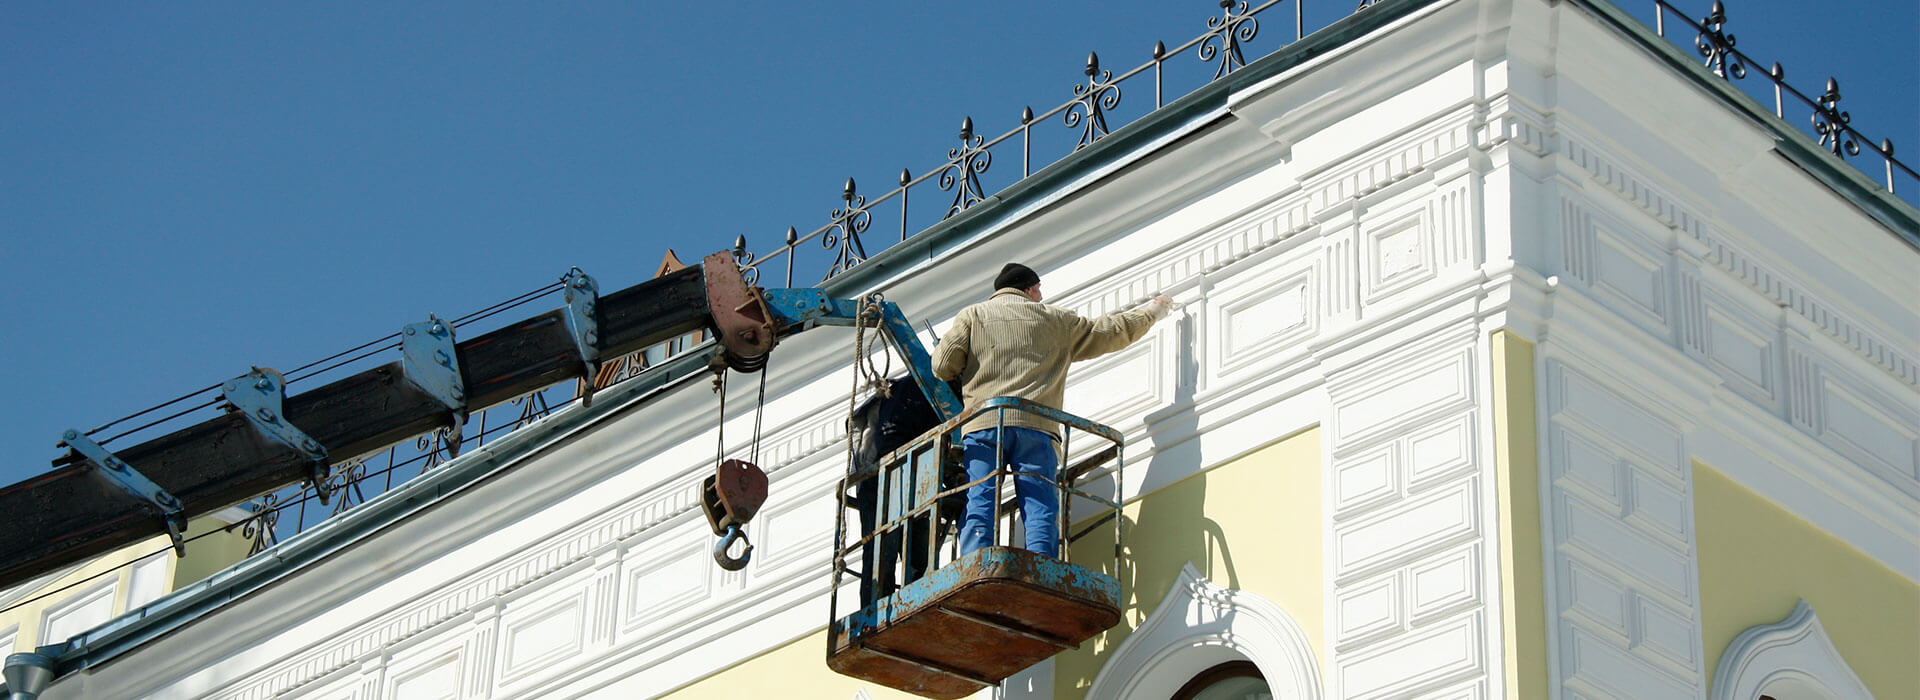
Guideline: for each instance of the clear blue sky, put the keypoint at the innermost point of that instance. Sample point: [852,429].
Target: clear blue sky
[188,189]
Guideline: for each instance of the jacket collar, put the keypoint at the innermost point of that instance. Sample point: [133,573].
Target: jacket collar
[1009,292]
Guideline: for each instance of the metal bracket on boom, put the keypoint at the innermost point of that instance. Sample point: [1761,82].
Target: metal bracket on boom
[258,395]
[431,363]
[117,472]
[741,319]
[582,293]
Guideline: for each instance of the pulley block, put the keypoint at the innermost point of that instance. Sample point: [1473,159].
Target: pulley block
[730,497]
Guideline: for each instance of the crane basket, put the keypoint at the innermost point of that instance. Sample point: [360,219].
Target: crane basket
[944,624]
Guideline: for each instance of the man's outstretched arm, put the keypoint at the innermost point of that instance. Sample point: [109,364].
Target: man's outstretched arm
[1096,337]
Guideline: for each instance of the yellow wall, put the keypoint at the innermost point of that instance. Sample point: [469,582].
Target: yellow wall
[207,555]
[204,556]
[1516,456]
[109,567]
[797,671]
[1252,524]
[1757,561]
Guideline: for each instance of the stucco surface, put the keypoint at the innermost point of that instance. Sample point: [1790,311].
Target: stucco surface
[1758,560]
[1252,524]
[1517,458]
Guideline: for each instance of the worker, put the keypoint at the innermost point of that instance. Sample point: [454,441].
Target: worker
[1013,345]
[883,423]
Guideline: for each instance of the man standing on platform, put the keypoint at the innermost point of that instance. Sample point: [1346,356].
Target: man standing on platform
[1013,345]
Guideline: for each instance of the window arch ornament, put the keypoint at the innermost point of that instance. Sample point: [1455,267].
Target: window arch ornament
[1792,659]
[1199,625]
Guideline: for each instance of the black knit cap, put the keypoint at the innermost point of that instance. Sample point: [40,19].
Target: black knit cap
[1015,275]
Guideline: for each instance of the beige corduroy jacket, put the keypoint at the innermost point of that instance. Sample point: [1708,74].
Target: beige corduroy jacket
[1010,345]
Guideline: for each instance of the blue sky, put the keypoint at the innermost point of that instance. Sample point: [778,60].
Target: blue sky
[189,189]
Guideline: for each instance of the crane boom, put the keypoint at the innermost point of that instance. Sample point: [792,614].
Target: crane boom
[69,513]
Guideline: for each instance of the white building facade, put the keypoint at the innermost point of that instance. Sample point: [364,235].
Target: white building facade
[1514,359]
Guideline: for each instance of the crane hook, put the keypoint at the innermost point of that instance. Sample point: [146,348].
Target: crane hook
[727,561]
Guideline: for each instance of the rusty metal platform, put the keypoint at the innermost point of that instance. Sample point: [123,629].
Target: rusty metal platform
[973,623]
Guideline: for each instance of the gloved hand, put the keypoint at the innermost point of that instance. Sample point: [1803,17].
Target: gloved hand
[1159,306]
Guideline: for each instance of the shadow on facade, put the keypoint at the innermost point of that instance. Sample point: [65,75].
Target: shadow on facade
[1165,531]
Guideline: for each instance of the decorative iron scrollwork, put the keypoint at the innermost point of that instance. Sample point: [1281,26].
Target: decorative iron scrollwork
[1716,45]
[744,259]
[962,172]
[1831,123]
[435,446]
[533,407]
[345,484]
[1364,4]
[1100,93]
[844,236]
[1230,30]
[262,530]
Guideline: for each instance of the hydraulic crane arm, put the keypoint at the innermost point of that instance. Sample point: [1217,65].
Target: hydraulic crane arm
[71,513]
[795,310]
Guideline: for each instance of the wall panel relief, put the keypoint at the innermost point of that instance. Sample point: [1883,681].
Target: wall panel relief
[1407,524]
[1263,313]
[1619,509]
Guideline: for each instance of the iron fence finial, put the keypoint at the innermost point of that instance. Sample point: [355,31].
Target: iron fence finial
[843,235]
[962,171]
[1225,33]
[1715,45]
[1830,122]
[1092,100]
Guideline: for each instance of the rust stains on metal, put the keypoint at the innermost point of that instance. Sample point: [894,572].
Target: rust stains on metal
[741,321]
[733,494]
[974,622]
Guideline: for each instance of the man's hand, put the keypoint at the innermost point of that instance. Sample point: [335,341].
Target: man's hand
[1159,306]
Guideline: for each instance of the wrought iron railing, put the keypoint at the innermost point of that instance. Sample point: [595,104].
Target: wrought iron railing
[1826,123]
[1088,115]
[356,480]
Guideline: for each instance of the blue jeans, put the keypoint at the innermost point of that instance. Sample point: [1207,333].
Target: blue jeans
[1028,451]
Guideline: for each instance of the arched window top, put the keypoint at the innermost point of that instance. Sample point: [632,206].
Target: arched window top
[1199,627]
[1792,659]
[1233,680]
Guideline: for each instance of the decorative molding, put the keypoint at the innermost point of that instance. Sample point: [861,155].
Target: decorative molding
[1622,580]
[1726,256]
[1833,323]
[1439,655]
[1198,625]
[1399,253]
[1632,187]
[1405,521]
[1790,659]
[1322,198]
